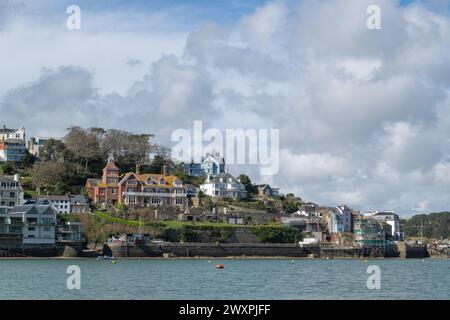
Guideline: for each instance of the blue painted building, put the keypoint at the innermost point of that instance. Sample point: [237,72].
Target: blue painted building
[211,165]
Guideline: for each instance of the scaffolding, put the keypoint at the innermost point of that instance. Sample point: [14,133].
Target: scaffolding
[370,235]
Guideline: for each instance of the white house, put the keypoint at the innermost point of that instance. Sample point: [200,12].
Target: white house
[223,185]
[38,221]
[61,203]
[12,144]
[11,193]
[18,134]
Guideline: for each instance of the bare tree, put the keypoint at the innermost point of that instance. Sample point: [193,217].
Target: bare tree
[47,173]
[83,144]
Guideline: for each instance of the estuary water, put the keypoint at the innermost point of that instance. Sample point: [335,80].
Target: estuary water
[240,279]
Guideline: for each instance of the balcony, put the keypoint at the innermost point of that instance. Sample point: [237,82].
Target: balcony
[154,194]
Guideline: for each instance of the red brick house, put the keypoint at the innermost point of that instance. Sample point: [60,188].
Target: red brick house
[106,189]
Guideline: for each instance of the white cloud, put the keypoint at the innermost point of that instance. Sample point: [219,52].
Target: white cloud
[363,115]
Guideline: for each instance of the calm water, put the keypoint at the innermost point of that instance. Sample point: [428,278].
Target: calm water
[241,279]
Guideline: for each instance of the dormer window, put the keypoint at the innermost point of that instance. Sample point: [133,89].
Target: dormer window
[149,181]
[162,181]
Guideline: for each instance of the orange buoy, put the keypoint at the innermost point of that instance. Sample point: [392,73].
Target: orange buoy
[220,266]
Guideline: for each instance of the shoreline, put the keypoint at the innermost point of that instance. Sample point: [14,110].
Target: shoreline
[223,258]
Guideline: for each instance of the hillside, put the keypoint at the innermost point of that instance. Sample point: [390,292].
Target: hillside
[434,225]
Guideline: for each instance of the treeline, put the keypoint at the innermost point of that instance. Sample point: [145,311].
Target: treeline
[433,225]
[64,165]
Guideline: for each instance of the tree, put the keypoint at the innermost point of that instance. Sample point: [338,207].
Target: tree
[6,168]
[207,202]
[157,165]
[27,160]
[291,203]
[53,150]
[46,174]
[249,187]
[83,144]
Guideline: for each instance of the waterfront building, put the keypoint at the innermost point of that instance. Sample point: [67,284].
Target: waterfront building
[12,144]
[11,193]
[341,219]
[223,185]
[211,165]
[34,222]
[391,218]
[70,231]
[370,233]
[105,191]
[152,190]
[305,223]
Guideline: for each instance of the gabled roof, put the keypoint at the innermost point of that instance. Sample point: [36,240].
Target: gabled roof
[32,208]
[6,130]
[54,198]
[93,182]
[155,178]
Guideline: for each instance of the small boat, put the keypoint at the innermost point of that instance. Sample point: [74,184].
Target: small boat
[220,266]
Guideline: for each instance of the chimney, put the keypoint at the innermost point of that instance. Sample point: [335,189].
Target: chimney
[16,178]
[138,169]
[165,170]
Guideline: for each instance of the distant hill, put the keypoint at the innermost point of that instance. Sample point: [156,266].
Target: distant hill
[434,225]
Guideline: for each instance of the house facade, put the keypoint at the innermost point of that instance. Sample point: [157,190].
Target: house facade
[223,185]
[391,219]
[70,231]
[11,193]
[12,144]
[6,133]
[78,204]
[267,190]
[152,190]
[105,191]
[211,165]
[61,203]
[341,219]
[34,222]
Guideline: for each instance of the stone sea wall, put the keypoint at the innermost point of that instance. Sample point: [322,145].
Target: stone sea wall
[205,250]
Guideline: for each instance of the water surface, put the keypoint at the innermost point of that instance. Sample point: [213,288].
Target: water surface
[240,279]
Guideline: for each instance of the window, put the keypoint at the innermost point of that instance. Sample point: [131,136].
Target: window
[47,229]
[31,228]
[156,200]
[47,221]
[179,201]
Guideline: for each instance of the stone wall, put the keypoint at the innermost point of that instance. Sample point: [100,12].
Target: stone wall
[205,250]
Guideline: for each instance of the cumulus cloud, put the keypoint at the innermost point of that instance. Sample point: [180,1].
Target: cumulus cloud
[363,114]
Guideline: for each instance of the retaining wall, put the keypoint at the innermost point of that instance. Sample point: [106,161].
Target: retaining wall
[205,250]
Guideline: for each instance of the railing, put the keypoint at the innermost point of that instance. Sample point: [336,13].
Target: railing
[153,194]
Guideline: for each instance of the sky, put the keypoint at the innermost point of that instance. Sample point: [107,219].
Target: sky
[364,115]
